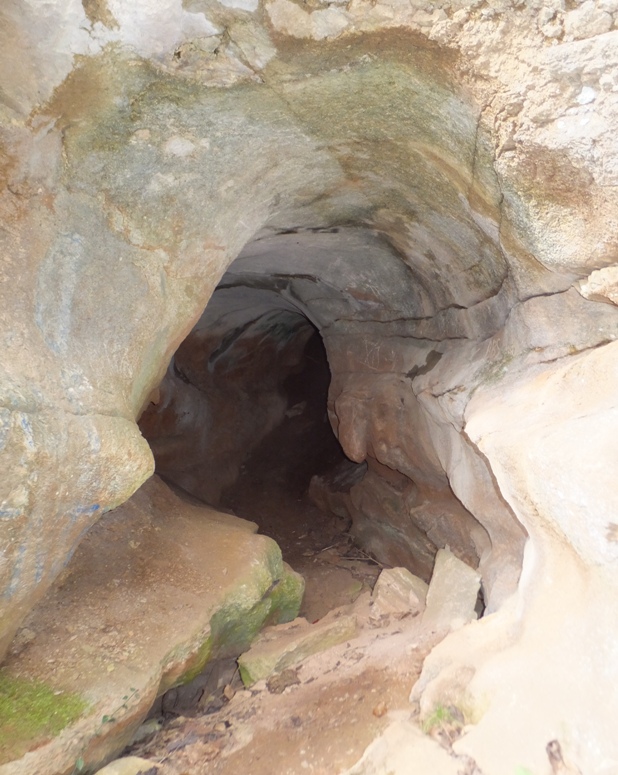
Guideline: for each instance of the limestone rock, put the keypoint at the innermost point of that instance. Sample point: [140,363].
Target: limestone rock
[452,593]
[397,591]
[427,184]
[129,765]
[281,647]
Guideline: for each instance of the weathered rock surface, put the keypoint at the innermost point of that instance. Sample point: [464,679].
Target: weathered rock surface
[157,589]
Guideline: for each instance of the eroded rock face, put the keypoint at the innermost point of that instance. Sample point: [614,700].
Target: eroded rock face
[466,153]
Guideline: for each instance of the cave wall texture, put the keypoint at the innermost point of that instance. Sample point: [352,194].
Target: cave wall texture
[435,187]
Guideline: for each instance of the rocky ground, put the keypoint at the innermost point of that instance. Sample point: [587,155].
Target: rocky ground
[317,717]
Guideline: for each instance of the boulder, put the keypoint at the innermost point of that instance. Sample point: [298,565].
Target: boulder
[157,589]
[129,765]
[452,593]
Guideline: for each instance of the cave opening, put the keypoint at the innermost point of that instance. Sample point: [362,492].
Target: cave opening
[251,419]
[241,423]
[399,179]
[274,480]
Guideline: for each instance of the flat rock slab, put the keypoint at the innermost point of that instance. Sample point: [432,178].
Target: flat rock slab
[399,592]
[282,647]
[156,589]
[452,595]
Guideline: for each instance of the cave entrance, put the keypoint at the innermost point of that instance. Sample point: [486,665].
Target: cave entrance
[241,423]
[312,329]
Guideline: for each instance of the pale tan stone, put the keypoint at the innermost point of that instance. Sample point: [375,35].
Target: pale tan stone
[397,591]
[402,749]
[452,594]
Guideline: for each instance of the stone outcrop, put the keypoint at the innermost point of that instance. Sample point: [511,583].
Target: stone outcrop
[209,584]
[435,189]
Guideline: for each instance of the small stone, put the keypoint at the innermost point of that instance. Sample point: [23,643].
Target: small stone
[228,692]
[380,709]
[279,682]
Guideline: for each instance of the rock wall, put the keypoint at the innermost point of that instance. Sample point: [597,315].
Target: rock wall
[468,153]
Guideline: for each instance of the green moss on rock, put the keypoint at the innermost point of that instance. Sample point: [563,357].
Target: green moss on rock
[31,713]
[237,623]
[233,629]
[286,597]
